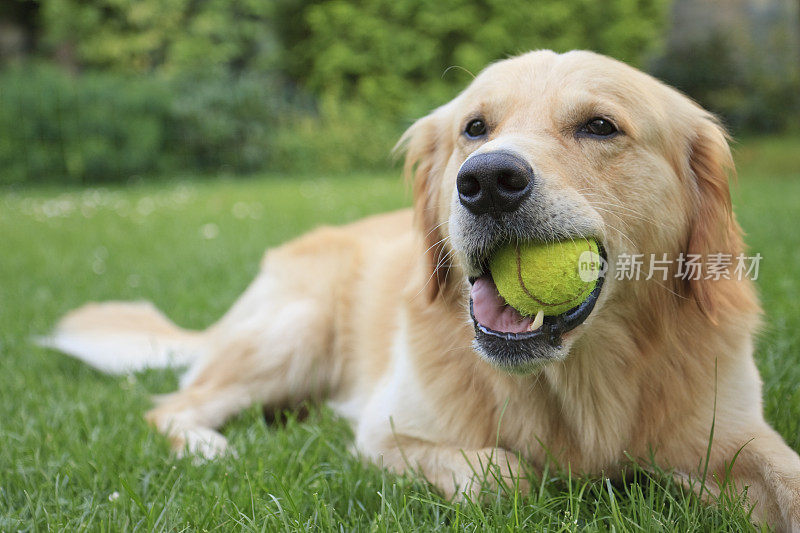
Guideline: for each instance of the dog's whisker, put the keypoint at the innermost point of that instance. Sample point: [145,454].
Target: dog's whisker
[444,261]
[623,235]
[614,210]
[437,243]
[633,212]
[623,222]
[439,263]
[436,227]
[458,67]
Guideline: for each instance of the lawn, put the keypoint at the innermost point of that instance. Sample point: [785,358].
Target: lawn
[76,454]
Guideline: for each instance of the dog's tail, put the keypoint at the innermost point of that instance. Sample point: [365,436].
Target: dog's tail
[121,337]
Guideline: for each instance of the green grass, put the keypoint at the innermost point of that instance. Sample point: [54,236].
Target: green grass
[75,453]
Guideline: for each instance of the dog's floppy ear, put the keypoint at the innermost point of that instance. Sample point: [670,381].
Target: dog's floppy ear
[713,227]
[428,147]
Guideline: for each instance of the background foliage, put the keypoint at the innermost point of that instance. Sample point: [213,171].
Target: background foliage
[739,58]
[109,89]
[209,85]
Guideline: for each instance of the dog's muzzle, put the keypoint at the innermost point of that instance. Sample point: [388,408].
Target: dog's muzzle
[496,189]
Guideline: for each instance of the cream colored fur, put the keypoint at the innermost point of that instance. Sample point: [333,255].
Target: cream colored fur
[373,316]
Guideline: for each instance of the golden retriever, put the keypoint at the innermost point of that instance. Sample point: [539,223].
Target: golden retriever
[395,321]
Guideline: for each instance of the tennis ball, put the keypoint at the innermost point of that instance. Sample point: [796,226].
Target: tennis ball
[549,277]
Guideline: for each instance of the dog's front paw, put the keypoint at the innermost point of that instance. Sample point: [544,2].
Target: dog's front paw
[202,444]
[491,468]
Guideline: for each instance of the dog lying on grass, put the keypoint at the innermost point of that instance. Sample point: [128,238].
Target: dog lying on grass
[395,321]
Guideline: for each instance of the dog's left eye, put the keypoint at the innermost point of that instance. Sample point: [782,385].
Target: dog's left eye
[475,128]
[599,127]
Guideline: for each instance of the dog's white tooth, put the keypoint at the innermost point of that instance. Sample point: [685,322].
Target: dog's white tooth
[537,321]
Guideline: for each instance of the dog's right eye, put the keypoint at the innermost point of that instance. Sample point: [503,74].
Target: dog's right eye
[475,128]
[599,127]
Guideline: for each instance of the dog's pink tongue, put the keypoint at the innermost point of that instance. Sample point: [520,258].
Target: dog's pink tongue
[491,310]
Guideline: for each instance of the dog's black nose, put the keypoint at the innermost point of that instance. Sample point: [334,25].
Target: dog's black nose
[494,182]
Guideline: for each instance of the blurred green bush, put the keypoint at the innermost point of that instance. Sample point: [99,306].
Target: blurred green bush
[392,55]
[102,127]
[91,128]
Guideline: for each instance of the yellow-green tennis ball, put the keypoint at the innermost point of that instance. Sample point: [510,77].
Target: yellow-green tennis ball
[552,277]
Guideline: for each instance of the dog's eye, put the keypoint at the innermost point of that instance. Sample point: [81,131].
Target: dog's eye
[599,127]
[475,128]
